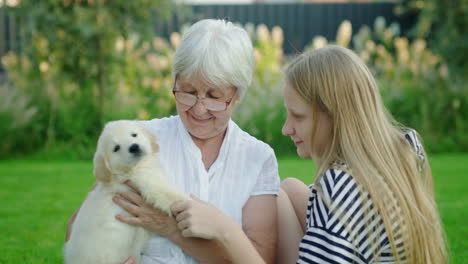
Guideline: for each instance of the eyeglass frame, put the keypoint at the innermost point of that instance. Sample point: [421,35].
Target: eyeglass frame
[174,91]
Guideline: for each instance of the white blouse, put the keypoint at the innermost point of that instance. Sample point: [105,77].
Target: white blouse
[245,167]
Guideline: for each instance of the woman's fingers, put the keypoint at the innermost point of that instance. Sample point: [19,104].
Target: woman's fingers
[131,220]
[132,197]
[133,187]
[130,260]
[126,205]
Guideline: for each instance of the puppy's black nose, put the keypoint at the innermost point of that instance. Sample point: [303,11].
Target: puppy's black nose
[134,149]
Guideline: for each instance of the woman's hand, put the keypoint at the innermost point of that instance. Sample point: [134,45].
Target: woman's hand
[130,260]
[197,218]
[143,214]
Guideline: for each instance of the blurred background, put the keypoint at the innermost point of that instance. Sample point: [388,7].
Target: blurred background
[69,66]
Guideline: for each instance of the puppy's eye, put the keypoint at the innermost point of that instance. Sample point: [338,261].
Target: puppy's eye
[116,148]
[134,134]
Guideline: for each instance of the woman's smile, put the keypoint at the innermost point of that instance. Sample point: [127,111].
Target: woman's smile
[200,120]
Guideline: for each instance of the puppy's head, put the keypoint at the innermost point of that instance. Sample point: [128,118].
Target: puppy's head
[121,146]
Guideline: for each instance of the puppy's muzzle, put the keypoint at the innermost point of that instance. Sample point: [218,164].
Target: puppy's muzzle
[135,149]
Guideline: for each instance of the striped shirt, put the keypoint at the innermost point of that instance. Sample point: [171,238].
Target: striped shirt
[328,240]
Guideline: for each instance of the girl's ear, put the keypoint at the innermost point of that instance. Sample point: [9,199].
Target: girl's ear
[101,168]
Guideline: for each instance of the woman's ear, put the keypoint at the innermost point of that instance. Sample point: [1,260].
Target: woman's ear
[101,168]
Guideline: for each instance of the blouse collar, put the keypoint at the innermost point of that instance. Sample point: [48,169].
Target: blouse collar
[193,149]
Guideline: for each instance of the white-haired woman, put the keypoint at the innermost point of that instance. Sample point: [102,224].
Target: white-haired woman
[372,199]
[207,155]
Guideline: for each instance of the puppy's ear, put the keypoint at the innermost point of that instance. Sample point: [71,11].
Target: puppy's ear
[101,169]
[152,138]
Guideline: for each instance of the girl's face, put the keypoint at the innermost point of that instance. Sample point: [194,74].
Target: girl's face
[200,122]
[299,125]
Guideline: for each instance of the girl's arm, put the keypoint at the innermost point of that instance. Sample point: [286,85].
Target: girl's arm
[197,218]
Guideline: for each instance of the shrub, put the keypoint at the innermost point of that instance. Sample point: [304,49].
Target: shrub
[74,72]
[262,112]
[16,114]
[414,83]
[413,80]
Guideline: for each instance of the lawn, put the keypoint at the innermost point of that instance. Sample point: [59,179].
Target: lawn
[38,197]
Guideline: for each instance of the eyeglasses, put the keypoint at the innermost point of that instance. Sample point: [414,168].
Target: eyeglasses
[191,100]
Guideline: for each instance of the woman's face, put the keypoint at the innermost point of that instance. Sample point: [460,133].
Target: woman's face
[299,125]
[200,122]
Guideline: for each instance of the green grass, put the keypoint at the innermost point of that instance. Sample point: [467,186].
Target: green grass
[38,197]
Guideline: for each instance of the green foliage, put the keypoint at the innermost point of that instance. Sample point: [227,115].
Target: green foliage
[262,113]
[16,115]
[79,60]
[416,87]
[445,24]
[71,97]
[414,82]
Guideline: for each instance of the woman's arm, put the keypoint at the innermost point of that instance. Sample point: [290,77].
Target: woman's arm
[153,220]
[205,233]
[70,224]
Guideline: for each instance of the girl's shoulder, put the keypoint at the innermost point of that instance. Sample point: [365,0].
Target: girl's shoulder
[412,137]
[338,178]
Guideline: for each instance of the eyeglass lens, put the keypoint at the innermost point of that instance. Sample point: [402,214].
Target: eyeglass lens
[191,100]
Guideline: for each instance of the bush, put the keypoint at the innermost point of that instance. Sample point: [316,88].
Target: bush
[76,71]
[62,113]
[415,83]
[445,25]
[262,111]
[16,114]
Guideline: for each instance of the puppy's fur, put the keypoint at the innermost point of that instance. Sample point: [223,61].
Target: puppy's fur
[125,151]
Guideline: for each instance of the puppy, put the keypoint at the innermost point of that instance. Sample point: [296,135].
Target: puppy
[125,151]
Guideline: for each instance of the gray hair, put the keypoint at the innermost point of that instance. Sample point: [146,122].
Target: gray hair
[217,51]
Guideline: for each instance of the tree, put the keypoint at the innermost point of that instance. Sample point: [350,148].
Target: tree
[69,57]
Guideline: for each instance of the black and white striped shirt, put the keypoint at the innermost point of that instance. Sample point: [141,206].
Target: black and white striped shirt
[328,240]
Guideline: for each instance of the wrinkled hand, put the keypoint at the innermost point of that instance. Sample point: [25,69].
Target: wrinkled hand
[143,214]
[197,218]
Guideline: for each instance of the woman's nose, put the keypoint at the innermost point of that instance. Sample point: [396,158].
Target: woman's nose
[199,107]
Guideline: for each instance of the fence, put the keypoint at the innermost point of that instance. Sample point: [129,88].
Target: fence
[300,21]
[9,34]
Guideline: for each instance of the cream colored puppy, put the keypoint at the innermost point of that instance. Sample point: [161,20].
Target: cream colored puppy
[125,151]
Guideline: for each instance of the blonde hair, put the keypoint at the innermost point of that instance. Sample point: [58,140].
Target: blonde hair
[367,139]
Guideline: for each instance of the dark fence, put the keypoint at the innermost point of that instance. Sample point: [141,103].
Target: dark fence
[299,21]
[9,34]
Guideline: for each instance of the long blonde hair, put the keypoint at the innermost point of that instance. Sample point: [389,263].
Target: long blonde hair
[367,139]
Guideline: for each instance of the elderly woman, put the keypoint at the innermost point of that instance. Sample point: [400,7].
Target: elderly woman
[207,154]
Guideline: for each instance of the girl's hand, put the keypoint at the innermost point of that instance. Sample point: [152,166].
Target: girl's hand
[197,218]
[143,214]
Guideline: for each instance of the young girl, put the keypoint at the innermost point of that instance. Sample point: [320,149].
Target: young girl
[372,200]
